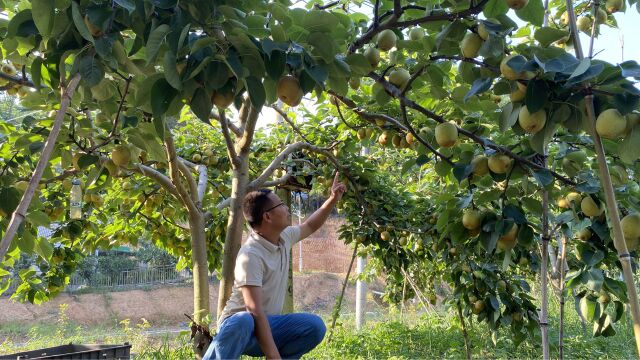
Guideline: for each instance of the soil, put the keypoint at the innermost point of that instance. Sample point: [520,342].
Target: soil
[313,292]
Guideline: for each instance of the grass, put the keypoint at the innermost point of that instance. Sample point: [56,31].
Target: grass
[390,336]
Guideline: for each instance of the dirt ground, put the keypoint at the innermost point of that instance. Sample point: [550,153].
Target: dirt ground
[313,292]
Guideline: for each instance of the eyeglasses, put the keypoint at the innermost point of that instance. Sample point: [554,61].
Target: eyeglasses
[273,207]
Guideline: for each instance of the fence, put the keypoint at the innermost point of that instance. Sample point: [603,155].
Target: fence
[132,278]
[126,279]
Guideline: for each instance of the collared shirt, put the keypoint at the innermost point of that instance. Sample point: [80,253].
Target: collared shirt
[262,263]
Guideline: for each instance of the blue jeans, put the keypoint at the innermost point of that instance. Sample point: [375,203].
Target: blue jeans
[294,335]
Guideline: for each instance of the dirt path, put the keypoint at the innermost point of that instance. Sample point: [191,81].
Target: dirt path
[315,292]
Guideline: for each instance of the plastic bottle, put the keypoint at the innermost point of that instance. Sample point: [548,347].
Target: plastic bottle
[75,200]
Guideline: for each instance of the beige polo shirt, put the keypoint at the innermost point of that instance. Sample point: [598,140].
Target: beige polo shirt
[261,263]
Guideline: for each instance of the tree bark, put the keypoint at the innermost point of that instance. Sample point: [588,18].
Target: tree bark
[234,232]
[21,211]
[200,267]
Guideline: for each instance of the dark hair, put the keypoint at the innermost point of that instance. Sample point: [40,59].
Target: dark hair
[254,204]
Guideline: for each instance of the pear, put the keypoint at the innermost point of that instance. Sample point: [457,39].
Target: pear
[614,5]
[399,77]
[417,33]
[519,93]
[385,236]
[500,163]
[373,56]
[631,225]
[480,165]
[482,28]
[532,123]
[470,45]
[472,219]
[509,240]
[222,100]
[121,155]
[584,24]
[584,234]
[590,208]
[601,16]
[573,198]
[386,40]
[289,90]
[610,124]
[446,134]
[510,74]
[354,83]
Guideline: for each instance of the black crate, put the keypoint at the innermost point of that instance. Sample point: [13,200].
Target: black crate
[73,352]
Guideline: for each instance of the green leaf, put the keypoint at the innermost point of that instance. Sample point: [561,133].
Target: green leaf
[543,177]
[323,46]
[38,218]
[126,4]
[595,279]
[78,21]
[43,15]
[9,199]
[87,160]
[462,171]
[358,64]
[36,72]
[407,165]
[4,273]
[536,95]
[91,70]
[27,242]
[276,63]
[257,93]
[171,71]
[318,73]
[582,67]
[479,86]
[617,288]
[548,35]
[506,120]
[494,8]
[320,21]
[619,309]
[201,105]
[161,96]
[217,75]
[630,68]
[588,308]
[156,38]
[629,149]
[165,4]
[514,212]
[533,12]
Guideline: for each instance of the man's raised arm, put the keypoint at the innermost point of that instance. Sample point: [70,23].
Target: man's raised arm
[318,218]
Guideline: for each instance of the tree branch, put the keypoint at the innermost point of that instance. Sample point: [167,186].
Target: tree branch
[17,80]
[286,118]
[193,187]
[395,92]
[174,171]
[231,150]
[395,24]
[203,178]
[244,144]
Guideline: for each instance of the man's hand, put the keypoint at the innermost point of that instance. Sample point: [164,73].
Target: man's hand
[338,188]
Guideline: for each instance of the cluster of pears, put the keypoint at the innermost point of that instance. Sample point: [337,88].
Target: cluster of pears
[206,158]
[8,68]
[585,22]
[473,41]
[398,140]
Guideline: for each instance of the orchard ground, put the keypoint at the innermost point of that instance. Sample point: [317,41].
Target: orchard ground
[151,320]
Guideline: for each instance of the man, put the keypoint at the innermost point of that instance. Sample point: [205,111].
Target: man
[251,323]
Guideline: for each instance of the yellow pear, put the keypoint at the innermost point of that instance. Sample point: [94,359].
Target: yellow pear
[584,234]
[614,5]
[532,123]
[222,100]
[510,74]
[470,45]
[631,226]
[500,163]
[416,33]
[121,155]
[519,93]
[385,236]
[509,240]
[601,16]
[610,124]
[480,165]
[289,90]
[446,134]
[472,219]
[590,208]
[584,24]
[573,198]
[9,69]
[409,138]
[482,28]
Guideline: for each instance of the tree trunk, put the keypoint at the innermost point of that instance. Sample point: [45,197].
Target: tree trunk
[234,232]
[199,259]
[287,308]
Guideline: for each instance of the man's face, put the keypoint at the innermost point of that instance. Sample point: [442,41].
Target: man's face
[277,212]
